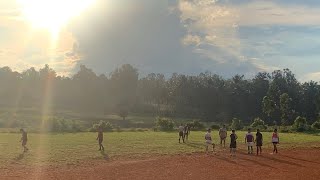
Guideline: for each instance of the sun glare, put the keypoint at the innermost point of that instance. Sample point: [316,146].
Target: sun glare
[52,15]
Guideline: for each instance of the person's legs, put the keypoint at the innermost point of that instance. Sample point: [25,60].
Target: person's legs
[274,147]
[251,150]
[101,145]
[25,149]
[248,149]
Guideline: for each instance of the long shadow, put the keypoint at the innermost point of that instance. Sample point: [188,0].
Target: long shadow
[195,145]
[298,159]
[228,160]
[19,157]
[104,155]
[257,162]
[281,161]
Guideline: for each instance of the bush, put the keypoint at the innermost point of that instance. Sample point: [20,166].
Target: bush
[106,126]
[316,124]
[196,125]
[300,124]
[164,124]
[259,124]
[214,126]
[236,124]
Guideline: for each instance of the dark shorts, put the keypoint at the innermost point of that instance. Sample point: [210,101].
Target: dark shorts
[233,145]
[259,143]
[100,141]
[181,133]
[24,143]
[275,142]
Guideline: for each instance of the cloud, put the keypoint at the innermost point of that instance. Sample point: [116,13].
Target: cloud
[314,76]
[275,13]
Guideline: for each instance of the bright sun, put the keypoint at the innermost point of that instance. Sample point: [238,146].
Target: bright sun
[52,15]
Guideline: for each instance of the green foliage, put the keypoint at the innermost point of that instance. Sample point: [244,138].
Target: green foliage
[196,125]
[236,124]
[214,126]
[268,105]
[105,126]
[164,124]
[61,125]
[300,124]
[285,101]
[316,124]
[259,124]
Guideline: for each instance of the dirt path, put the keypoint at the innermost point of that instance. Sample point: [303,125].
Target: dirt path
[293,164]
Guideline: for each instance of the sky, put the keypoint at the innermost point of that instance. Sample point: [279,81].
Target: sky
[226,37]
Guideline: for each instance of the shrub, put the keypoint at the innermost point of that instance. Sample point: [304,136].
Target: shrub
[316,124]
[106,126]
[214,126]
[164,124]
[300,124]
[258,124]
[196,125]
[236,124]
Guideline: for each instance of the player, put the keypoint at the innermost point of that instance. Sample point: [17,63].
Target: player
[181,135]
[249,139]
[233,143]
[209,142]
[275,140]
[223,135]
[100,139]
[259,140]
[24,140]
[186,131]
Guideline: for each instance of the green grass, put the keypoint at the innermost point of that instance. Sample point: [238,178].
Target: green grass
[74,148]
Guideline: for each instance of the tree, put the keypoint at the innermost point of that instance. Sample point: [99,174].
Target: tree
[268,106]
[285,108]
[236,124]
[123,87]
[258,123]
[300,124]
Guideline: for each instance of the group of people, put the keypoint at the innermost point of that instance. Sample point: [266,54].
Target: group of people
[250,140]
[184,132]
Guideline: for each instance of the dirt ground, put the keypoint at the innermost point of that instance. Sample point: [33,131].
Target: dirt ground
[288,164]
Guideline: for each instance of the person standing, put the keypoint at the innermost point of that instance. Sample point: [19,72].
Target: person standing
[233,143]
[181,134]
[259,140]
[275,140]
[249,139]
[208,140]
[186,131]
[24,139]
[100,139]
[223,135]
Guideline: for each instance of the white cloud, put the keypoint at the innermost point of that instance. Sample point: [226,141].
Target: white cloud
[314,76]
[271,13]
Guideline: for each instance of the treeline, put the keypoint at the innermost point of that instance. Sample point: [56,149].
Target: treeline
[275,97]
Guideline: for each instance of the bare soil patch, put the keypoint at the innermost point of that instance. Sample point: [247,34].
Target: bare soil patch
[288,164]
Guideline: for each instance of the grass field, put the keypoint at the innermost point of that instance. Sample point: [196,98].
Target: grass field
[54,149]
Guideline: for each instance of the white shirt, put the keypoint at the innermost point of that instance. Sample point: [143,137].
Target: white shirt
[181,128]
[208,136]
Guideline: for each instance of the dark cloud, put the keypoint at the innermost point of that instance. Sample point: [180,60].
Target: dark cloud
[147,35]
